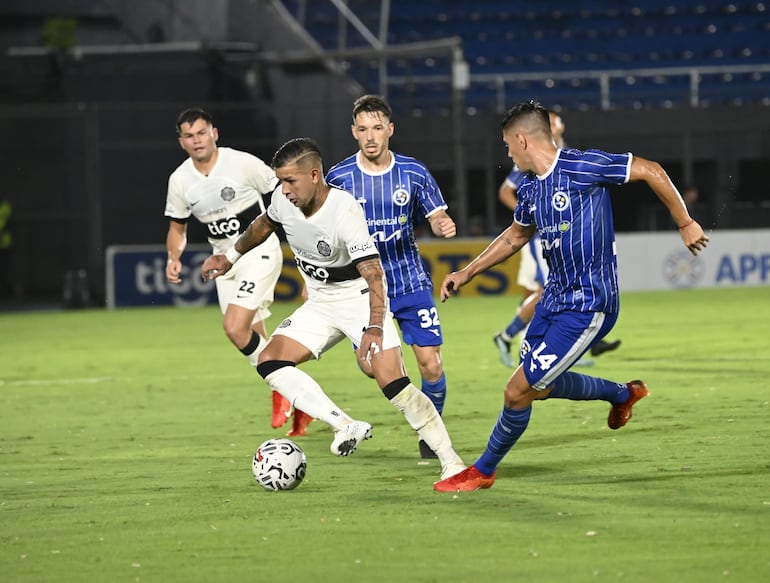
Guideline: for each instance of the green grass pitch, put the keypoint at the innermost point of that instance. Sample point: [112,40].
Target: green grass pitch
[126,440]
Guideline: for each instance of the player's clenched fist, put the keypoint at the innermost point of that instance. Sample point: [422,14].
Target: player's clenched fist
[447,228]
[173,271]
[214,266]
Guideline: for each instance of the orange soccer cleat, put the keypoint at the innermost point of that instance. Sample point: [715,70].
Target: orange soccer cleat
[281,410]
[620,414]
[299,424]
[468,480]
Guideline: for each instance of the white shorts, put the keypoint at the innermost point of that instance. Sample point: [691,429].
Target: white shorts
[527,270]
[251,282]
[319,325]
[533,270]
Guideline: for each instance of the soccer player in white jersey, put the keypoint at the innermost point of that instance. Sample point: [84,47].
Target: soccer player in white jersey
[222,188]
[566,199]
[395,192]
[532,269]
[346,298]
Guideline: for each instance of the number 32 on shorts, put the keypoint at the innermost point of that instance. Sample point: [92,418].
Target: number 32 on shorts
[428,318]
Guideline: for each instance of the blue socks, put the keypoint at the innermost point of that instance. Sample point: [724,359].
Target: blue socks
[513,422]
[509,427]
[516,326]
[580,387]
[436,392]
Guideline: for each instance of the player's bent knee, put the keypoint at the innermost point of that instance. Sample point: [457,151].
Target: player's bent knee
[236,334]
[431,372]
[517,396]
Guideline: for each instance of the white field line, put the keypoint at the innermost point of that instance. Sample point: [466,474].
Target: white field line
[99,380]
[39,382]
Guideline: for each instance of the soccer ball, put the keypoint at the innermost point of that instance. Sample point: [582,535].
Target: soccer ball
[279,464]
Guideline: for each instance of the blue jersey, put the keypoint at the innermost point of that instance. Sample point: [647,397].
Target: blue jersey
[392,201]
[571,207]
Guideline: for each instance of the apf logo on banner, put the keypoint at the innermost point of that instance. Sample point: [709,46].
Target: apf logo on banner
[682,269]
[659,261]
[744,268]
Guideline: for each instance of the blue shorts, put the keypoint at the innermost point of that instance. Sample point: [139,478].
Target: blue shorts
[417,318]
[556,340]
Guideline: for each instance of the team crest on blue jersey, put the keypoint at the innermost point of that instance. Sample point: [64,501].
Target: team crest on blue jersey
[564,226]
[401,197]
[324,249]
[560,201]
[227,194]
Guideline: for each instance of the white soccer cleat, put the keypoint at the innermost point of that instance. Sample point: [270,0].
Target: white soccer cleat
[347,438]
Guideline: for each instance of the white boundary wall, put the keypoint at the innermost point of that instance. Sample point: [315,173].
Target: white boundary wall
[660,261]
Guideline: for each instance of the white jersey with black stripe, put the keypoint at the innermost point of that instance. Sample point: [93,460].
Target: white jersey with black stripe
[328,244]
[226,200]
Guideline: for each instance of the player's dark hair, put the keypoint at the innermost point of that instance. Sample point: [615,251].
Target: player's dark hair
[531,111]
[295,149]
[371,104]
[192,115]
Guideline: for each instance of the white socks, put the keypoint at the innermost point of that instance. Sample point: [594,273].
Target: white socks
[423,417]
[307,395]
[254,356]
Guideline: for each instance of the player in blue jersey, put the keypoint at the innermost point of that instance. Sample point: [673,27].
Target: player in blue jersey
[566,200]
[532,270]
[394,191]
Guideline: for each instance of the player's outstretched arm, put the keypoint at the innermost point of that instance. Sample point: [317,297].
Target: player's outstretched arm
[506,244]
[452,283]
[658,180]
[256,233]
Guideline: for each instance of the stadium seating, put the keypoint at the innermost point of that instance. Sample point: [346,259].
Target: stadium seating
[728,43]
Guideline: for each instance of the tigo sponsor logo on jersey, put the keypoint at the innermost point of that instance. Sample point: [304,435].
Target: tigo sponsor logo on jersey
[224,227]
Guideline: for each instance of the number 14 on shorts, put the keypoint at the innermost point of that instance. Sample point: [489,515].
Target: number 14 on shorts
[541,360]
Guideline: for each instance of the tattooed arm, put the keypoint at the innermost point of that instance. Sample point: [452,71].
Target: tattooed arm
[371,271]
[371,340]
[255,234]
[506,244]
